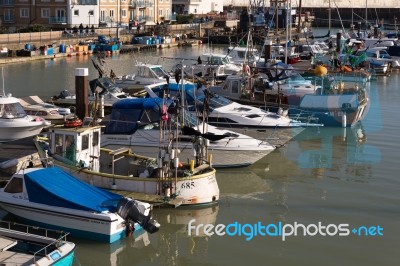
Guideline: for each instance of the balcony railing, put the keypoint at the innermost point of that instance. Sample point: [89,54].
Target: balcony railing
[57,20]
[84,2]
[145,18]
[6,2]
[170,17]
[141,3]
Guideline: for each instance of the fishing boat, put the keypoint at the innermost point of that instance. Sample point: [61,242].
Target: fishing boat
[22,244]
[165,178]
[334,103]
[15,123]
[134,123]
[52,198]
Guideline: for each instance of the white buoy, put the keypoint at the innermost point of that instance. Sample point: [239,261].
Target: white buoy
[344,120]
[176,162]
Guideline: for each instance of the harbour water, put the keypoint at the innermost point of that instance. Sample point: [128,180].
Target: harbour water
[340,178]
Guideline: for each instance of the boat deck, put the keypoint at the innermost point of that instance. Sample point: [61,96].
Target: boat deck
[21,150]
[12,258]
[9,258]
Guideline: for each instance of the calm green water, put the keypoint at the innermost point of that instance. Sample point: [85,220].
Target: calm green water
[328,175]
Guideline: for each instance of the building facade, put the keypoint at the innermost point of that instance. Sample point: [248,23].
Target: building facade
[60,14]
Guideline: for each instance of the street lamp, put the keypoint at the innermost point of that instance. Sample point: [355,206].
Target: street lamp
[90,13]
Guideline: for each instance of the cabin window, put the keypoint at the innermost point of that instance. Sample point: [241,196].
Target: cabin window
[147,73]
[159,71]
[14,186]
[235,87]
[95,141]
[241,54]
[85,142]
[70,148]
[58,141]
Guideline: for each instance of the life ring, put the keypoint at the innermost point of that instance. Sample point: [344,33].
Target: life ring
[73,122]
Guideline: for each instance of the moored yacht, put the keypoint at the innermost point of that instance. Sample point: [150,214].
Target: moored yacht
[15,123]
[135,123]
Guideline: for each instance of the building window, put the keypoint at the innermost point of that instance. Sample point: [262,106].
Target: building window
[160,12]
[24,13]
[76,12]
[45,12]
[123,13]
[102,15]
[112,13]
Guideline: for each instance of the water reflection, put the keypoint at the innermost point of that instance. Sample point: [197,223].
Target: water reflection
[166,247]
[335,152]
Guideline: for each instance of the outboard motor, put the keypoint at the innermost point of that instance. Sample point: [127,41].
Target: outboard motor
[138,212]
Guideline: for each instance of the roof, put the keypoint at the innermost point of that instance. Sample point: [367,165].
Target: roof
[8,99]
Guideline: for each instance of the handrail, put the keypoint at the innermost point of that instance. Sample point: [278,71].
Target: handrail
[27,229]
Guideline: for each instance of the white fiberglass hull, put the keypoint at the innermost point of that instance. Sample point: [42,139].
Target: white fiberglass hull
[13,129]
[228,152]
[106,227]
[236,115]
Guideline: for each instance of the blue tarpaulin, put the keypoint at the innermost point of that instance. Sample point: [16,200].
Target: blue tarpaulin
[53,186]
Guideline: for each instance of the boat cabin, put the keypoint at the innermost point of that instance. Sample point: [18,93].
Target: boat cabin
[79,145]
[151,71]
[11,107]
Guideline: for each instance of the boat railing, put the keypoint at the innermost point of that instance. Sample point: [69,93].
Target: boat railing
[53,238]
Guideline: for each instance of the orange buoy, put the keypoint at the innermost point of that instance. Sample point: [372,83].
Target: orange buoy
[320,71]
[73,122]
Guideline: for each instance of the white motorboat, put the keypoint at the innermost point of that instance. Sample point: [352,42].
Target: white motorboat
[244,55]
[108,91]
[46,247]
[223,112]
[146,74]
[35,106]
[210,65]
[52,198]
[135,123]
[15,123]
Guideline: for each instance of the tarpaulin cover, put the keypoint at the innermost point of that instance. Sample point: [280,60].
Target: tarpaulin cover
[53,186]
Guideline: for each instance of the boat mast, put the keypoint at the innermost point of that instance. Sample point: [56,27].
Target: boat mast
[2,78]
[329,16]
[299,20]
[366,14]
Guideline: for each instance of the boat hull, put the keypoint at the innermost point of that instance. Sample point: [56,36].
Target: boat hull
[194,190]
[90,225]
[221,157]
[10,133]
[43,250]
